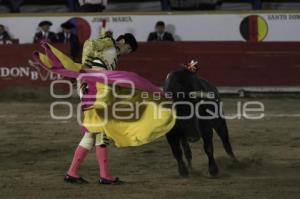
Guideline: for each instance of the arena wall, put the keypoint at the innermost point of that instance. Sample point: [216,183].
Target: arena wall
[229,64]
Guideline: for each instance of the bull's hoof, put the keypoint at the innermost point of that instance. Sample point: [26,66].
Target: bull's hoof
[183,170]
[213,169]
[193,139]
[233,158]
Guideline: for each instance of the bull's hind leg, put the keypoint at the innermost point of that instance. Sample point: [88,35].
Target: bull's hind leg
[187,151]
[173,138]
[222,131]
[207,135]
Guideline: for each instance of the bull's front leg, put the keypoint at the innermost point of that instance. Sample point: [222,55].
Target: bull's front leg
[173,138]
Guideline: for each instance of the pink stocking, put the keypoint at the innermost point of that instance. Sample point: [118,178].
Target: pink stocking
[78,158]
[102,156]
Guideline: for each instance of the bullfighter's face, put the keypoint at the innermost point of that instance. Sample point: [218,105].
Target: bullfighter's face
[124,48]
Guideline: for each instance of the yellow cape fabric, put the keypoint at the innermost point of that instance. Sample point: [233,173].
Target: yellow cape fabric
[132,121]
[66,61]
[110,113]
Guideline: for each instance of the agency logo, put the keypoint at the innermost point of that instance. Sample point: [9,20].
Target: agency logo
[254,28]
[201,105]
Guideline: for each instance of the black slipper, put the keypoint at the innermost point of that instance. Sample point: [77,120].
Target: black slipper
[75,180]
[104,181]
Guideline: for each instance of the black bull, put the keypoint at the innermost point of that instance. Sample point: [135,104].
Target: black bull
[181,83]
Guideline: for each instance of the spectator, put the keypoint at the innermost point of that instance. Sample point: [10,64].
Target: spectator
[165,5]
[13,5]
[160,34]
[4,36]
[73,5]
[92,5]
[44,33]
[66,36]
[194,4]
[256,4]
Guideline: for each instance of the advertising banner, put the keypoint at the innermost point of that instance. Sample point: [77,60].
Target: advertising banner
[185,27]
[235,64]
[15,70]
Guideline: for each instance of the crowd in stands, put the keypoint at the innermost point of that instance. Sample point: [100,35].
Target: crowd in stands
[74,5]
[100,5]
[67,35]
[64,36]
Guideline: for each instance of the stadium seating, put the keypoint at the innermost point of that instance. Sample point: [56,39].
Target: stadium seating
[151,5]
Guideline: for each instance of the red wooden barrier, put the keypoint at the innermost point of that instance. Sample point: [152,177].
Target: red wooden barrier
[222,63]
[15,70]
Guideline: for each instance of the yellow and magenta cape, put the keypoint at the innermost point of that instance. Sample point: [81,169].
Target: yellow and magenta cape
[141,117]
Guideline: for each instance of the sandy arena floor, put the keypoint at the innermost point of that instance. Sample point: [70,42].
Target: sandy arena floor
[35,152]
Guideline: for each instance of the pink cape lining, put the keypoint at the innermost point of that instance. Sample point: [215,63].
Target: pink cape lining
[119,77]
[111,77]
